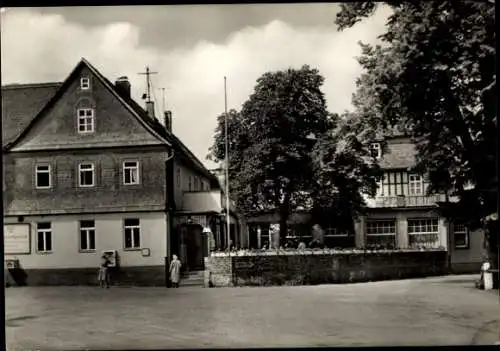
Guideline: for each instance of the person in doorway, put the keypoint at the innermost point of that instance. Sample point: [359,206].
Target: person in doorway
[175,271]
[103,276]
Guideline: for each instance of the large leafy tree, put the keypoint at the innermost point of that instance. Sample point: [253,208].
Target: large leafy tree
[287,152]
[434,75]
[344,171]
[271,140]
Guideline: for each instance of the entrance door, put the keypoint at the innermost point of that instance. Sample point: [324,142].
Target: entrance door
[191,240]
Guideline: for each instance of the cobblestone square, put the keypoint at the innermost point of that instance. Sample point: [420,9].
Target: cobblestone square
[432,311]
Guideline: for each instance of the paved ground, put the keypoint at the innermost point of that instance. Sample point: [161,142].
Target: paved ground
[433,311]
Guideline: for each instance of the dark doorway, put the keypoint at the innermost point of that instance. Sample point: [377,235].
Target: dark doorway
[191,247]
[253,237]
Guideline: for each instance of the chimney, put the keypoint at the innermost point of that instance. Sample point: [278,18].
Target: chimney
[168,120]
[123,87]
[150,109]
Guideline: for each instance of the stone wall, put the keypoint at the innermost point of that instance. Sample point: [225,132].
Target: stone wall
[123,276]
[319,267]
[466,267]
[218,271]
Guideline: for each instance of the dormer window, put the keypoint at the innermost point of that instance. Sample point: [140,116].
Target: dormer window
[85,83]
[375,150]
[85,120]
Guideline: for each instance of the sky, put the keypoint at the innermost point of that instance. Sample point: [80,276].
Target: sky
[192,47]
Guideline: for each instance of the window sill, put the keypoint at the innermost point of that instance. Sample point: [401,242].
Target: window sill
[86,186]
[131,184]
[44,252]
[132,249]
[43,187]
[388,234]
[462,247]
[87,251]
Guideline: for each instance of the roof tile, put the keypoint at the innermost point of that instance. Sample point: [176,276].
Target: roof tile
[398,154]
[20,105]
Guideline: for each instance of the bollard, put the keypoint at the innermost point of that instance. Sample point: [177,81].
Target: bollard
[487,276]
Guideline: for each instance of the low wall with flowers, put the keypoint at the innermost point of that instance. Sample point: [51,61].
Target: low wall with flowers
[309,267]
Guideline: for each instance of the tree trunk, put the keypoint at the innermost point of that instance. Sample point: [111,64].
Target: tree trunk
[284,212]
[283,228]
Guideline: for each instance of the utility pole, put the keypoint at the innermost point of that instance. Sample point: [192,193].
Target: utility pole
[228,228]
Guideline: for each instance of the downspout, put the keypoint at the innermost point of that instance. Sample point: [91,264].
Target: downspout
[170,209]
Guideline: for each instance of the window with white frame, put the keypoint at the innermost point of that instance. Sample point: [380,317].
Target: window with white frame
[86,175]
[381,232]
[87,235]
[85,83]
[333,232]
[423,232]
[132,232]
[85,120]
[460,236]
[44,236]
[375,150]
[415,184]
[336,236]
[130,172]
[43,176]
[297,231]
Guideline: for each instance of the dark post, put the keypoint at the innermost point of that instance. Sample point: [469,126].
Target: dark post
[167,274]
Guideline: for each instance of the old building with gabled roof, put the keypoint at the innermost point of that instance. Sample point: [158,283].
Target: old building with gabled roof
[88,170]
[403,215]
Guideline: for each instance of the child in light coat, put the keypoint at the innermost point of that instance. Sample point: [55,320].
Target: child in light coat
[175,271]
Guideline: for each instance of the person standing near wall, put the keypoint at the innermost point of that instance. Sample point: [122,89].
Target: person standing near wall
[103,276]
[175,271]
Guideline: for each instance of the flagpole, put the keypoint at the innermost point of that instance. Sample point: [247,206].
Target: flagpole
[228,228]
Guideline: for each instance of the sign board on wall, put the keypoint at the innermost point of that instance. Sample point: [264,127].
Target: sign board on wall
[17,239]
[201,220]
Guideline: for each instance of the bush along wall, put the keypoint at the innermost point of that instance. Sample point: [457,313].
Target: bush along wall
[321,267]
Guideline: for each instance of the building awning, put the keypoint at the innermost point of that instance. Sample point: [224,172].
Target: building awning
[201,202]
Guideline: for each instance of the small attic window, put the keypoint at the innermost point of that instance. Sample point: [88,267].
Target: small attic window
[376,150]
[85,83]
